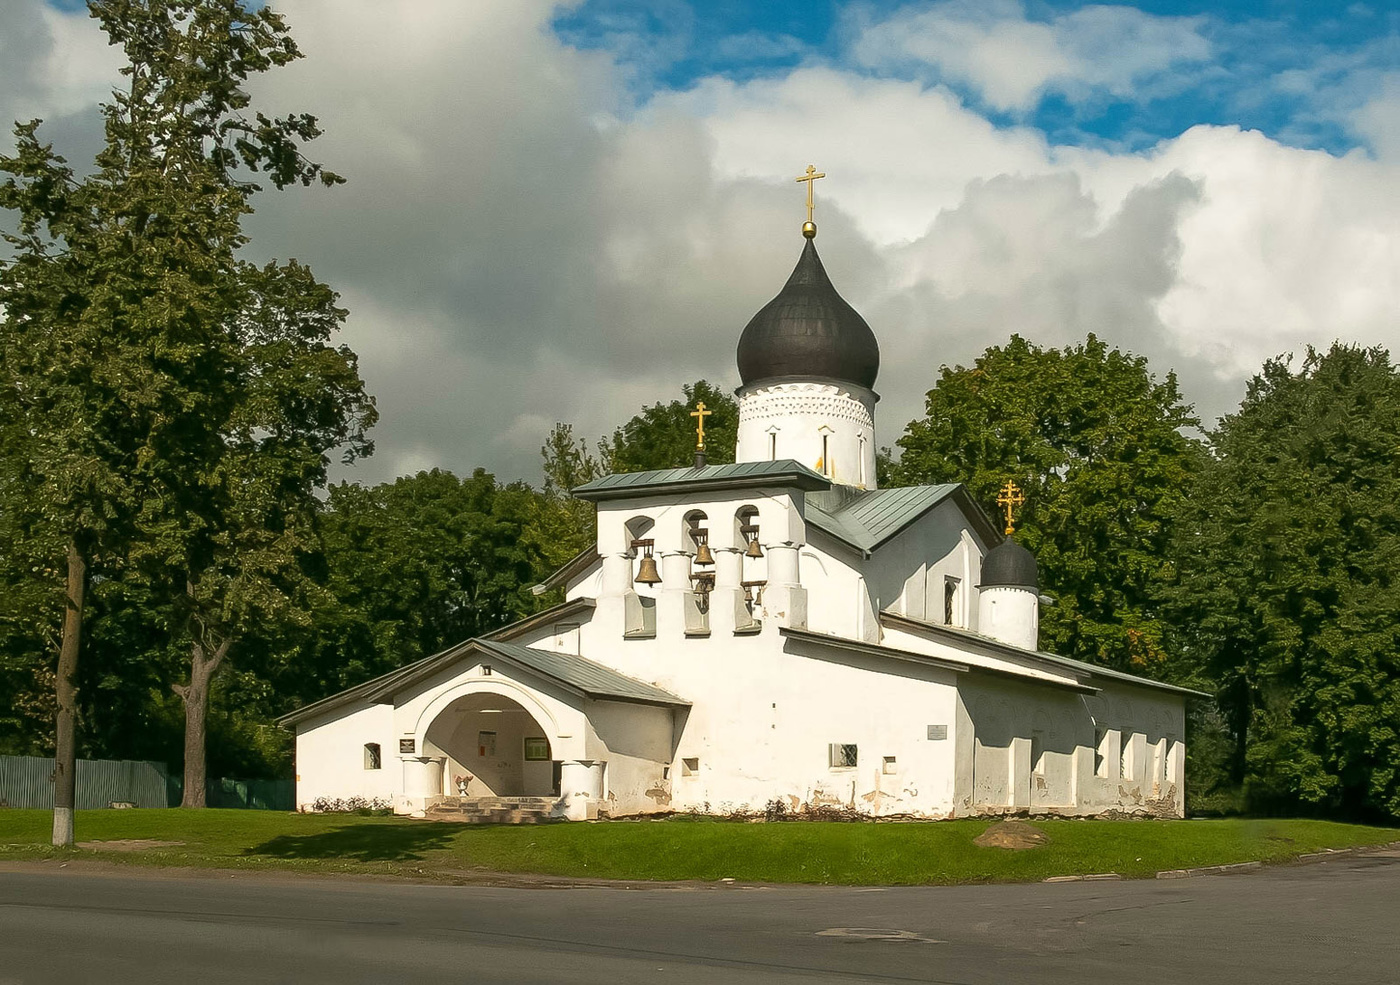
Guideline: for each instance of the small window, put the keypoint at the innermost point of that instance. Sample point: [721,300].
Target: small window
[665,772]
[1038,752]
[1100,751]
[772,446]
[690,766]
[841,755]
[485,670]
[950,601]
[486,743]
[373,759]
[826,454]
[536,750]
[887,766]
[1125,755]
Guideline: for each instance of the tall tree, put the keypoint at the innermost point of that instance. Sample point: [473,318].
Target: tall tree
[1287,555]
[117,362]
[1097,442]
[300,399]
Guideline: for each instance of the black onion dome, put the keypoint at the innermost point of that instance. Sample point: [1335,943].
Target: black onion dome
[1009,565]
[809,330]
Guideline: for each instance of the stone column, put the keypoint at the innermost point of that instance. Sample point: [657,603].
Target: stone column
[729,571]
[580,788]
[422,781]
[784,598]
[617,582]
[670,603]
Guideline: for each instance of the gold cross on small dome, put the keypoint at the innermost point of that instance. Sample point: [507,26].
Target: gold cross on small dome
[809,228]
[700,413]
[1010,498]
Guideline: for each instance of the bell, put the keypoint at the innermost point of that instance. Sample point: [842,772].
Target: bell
[646,571]
[754,550]
[703,555]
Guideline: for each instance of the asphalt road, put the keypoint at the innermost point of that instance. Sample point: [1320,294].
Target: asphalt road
[1337,922]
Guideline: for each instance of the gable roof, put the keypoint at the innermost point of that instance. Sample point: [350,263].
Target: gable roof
[394,677]
[582,675]
[1081,670]
[866,519]
[783,472]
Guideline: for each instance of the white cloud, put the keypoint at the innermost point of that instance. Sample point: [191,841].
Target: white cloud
[519,244]
[1012,60]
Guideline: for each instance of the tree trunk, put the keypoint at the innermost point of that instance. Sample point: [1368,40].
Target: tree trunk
[65,767]
[203,667]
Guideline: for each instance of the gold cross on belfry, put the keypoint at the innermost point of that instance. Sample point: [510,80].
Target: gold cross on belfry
[1010,498]
[700,413]
[810,177]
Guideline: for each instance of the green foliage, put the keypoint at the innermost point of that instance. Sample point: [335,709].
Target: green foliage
[1096,442]
[1288,582]
[662,436]
[412,567]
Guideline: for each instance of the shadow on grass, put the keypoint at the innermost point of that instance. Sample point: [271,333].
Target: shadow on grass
[363,842]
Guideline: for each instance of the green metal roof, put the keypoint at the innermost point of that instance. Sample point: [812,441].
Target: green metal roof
[784,471]
[867,518]
[593,679]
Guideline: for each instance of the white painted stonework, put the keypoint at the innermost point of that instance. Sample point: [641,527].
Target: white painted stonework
[840,647]
[837,649]
[828,426]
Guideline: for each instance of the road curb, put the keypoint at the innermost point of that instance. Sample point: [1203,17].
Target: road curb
[1093,877]
[1322,856]
[1209,870]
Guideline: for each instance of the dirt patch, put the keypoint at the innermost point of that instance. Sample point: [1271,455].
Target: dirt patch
[127,845]
[1014,835]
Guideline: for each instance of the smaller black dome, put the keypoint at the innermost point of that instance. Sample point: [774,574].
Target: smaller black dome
[1009,565]
[809,330]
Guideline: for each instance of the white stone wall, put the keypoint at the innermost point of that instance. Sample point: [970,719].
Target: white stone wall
[801,419]
[330,751]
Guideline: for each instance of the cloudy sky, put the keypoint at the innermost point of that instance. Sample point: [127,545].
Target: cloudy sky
[562,211]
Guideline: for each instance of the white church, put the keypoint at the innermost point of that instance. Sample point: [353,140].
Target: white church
[779,629]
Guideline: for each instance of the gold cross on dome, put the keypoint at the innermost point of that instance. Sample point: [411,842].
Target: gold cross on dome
[700,413]
[1010,498]
[810,177]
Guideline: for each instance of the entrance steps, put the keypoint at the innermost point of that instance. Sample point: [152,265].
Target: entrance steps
[492,810]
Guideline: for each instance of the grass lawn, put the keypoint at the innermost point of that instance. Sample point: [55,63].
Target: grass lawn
[677,848]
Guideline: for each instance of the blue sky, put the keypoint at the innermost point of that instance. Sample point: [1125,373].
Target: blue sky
[1289,69]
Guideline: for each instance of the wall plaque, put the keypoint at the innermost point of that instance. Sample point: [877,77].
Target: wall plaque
[937,732]
[408,746]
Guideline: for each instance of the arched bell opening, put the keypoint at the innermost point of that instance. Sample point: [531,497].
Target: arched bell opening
[494,748]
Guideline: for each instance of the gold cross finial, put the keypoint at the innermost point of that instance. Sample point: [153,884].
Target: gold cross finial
[810,228]
[700,413]
[1010,498]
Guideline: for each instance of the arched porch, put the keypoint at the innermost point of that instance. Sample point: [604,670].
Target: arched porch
[493,746]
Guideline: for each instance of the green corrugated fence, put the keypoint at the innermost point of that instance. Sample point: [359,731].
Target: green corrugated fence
[27,781]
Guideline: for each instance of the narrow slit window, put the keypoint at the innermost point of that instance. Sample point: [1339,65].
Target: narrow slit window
[1125,755]
[950,601]
[772,446]
[1100,751]
[826,454]
[373,757]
